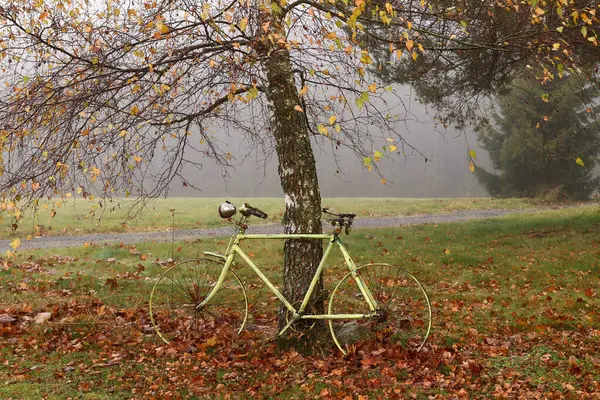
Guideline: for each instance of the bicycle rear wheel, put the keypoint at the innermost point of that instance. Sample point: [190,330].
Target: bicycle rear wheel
[175,310]
[403,314]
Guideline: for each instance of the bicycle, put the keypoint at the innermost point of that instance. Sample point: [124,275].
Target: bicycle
[189,297]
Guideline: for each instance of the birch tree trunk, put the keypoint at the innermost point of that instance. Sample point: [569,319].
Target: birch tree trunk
[297,173]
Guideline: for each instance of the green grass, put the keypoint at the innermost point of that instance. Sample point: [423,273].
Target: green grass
[516,306]
[76,217]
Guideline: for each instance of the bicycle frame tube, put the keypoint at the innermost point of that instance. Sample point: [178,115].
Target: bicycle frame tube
[233,248]
[217,286]
[288,236]
[257,271]
[316,277]
[364,290]
[331,238]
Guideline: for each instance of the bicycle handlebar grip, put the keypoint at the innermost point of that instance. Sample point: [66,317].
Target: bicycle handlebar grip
[256,212]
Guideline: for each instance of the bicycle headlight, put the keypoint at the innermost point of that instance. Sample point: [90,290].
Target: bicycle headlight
[227,210]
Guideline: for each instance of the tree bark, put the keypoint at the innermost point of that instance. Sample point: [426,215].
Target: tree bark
[297,172]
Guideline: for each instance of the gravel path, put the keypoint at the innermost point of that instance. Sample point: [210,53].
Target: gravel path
[191,234]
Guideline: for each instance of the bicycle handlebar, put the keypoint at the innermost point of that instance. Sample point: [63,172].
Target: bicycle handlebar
[350,216]
[255,211]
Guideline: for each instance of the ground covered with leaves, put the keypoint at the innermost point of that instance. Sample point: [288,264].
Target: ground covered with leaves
[516,311]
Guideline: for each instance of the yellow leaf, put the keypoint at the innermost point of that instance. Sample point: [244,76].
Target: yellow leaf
[383,181]
[372,88]
[304,90]
[134,110]
[243,24]
[365,58]
[578,161]
[556,46]
[162,28]
[298,108]
[409,44]
[471,167]
[15,243]
[392,148]
[447,251]
[473,154]
[332,119]
[122,133]
[322,130]
[212,341]
[137,159]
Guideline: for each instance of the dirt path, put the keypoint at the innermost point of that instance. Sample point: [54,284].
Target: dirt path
[191,234]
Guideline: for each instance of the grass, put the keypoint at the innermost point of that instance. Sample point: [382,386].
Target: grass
[76,217]
[516,311]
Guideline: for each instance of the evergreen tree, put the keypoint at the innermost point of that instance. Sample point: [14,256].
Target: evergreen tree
[545,140]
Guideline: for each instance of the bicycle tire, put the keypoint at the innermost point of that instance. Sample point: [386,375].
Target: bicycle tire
[403,315]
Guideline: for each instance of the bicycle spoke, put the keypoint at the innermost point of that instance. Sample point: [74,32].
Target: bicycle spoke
[403,313]
[176,296]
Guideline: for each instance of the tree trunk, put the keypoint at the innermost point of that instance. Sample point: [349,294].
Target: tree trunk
[297,173]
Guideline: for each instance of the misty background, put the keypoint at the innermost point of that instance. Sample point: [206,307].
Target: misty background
[445,173]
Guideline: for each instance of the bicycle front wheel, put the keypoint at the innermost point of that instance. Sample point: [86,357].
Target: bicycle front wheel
[402,315]
[176,309]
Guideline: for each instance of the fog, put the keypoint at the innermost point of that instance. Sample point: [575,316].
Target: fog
[445,174]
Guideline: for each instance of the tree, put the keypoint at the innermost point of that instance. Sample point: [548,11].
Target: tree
[546,139]
[475,49]
[94,91]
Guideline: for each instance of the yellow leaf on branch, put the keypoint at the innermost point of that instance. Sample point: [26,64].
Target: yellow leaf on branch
[579,161]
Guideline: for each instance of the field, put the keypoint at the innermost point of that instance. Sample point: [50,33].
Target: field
[516,309]
[80,216]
